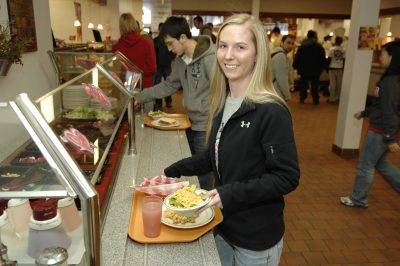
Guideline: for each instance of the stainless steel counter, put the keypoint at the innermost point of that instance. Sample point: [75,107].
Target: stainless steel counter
[155,150]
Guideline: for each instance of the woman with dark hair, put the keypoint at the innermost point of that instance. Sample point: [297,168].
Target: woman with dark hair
[384,131]
[138,49]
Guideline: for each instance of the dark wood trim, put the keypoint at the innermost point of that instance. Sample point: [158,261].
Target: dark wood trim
[262,14]
[303,15]
[205,12]
[382,12]
[345,153]
[389,11]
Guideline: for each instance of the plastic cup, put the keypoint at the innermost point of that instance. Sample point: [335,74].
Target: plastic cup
[151,213]
[19,212]
[69,214]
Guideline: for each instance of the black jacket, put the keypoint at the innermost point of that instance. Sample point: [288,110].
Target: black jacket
[384,112]
[257,166]
[310,59]
[164,57]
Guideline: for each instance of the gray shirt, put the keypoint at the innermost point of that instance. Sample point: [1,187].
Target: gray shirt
[231,106]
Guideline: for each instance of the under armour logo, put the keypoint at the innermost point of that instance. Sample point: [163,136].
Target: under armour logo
[244,124]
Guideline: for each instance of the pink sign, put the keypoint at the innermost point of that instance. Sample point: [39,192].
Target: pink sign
[78,140]
[97,94]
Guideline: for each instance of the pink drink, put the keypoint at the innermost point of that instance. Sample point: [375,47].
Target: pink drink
[151,213]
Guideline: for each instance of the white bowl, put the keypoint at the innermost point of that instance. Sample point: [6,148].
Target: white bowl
[187,211]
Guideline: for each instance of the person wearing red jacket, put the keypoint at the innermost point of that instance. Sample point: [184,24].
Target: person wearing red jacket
[138,49]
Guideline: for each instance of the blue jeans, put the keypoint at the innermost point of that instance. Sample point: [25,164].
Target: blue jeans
[233,255]
[373,156]
[197,144]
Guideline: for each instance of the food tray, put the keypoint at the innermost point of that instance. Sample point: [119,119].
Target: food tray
[168,234]
[22,171]
[181,118]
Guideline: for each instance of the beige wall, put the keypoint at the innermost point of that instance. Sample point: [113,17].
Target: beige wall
[62,14]
[36,77]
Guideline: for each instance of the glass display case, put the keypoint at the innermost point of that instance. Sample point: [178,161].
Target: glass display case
[61,146]
[34,180]
[69,64]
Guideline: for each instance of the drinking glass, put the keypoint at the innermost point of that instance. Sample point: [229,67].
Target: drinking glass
[151,213]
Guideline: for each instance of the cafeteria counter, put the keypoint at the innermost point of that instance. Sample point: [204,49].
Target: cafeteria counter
[155,150]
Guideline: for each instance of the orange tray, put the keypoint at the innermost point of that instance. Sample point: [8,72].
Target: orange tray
[181,118]
[168,234]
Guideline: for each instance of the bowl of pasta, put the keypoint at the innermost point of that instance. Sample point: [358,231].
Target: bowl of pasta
[187,201]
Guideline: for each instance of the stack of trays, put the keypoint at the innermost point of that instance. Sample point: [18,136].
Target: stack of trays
[75,96]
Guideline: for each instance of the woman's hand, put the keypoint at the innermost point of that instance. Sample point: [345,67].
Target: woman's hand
[216,200]
[394,147]
[358,115]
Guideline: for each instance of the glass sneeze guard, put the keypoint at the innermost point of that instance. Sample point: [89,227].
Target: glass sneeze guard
[92,104]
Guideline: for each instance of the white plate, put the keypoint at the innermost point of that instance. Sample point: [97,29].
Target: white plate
[157,123]
[204,218]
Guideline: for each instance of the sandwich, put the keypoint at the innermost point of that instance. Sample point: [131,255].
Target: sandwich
[165,121]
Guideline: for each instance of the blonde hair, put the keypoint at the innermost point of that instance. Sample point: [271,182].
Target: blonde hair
[127,24]
[260,88]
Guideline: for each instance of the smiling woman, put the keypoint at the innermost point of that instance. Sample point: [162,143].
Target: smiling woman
[236,56]
[251,148]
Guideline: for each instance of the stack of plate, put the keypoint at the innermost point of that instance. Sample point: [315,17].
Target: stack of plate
[96,105]
[75,96]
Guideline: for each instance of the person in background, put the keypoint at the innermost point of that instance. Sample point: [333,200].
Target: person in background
[138,49]
[309,62]
[336,58]
[275,38]
[199,24]
[288,45]
[280,67]
[211,26]
[191,71]
[251,148]
[164,59]
[383,133]
[327,44]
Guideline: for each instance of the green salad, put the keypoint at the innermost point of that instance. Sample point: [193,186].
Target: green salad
[156,114]
[81,113]
[89,113]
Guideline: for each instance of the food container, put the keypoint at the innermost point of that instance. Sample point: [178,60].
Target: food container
[3,205]
[19,212]
[6,230]
[69,214]
[52,256]
[46,229]
[191,211]
[29,158]
[10,173]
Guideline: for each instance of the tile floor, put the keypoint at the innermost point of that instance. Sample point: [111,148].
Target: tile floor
[319,230]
